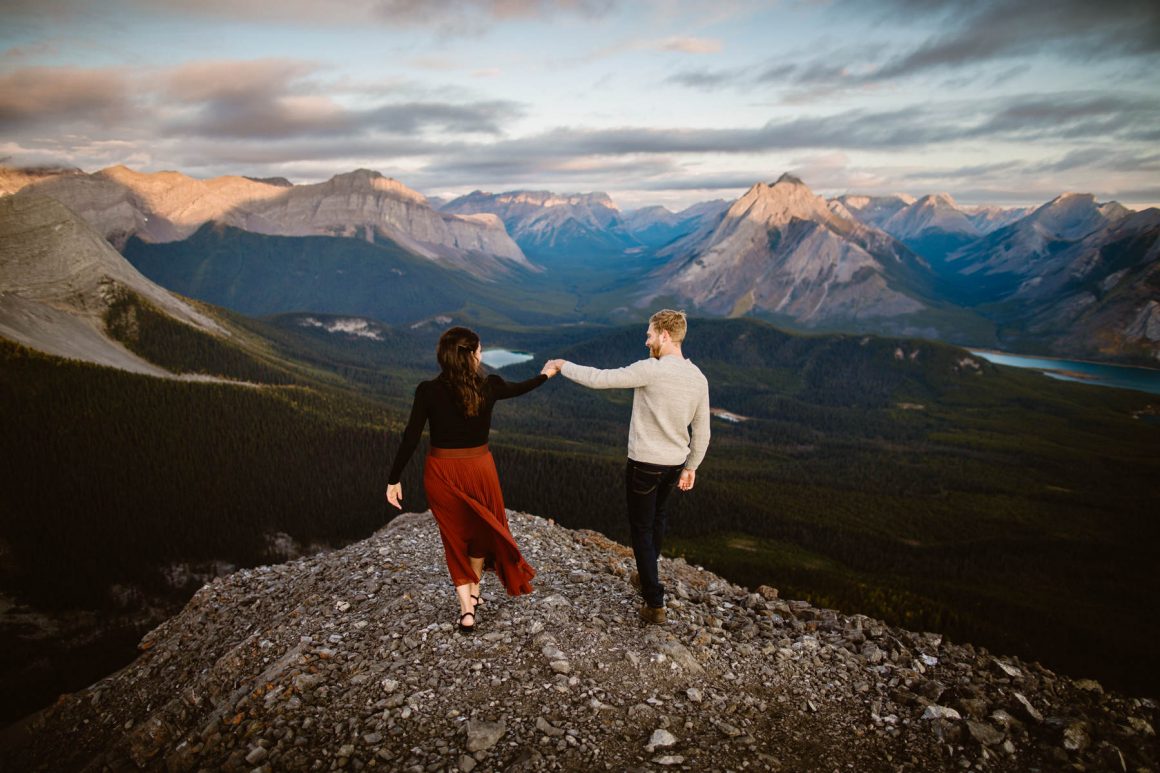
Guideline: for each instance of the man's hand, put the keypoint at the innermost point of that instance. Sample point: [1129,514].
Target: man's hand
[395,494]
[688,477]
[551,368]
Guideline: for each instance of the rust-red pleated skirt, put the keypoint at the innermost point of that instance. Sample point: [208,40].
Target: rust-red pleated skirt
[464,494]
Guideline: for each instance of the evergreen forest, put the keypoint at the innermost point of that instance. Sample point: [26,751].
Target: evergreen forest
[900,478]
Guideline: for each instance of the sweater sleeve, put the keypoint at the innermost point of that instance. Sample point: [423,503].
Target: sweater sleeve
[502,390]
[411,435]
[637,374]
[699,436]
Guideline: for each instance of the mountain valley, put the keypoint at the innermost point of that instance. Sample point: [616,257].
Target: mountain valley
[871,470]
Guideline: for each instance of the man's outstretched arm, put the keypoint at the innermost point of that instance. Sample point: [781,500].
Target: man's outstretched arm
[635,375]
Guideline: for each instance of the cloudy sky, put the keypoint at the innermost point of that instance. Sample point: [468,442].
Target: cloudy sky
[654,101]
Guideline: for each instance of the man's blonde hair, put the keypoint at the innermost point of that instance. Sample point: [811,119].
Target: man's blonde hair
[671,322]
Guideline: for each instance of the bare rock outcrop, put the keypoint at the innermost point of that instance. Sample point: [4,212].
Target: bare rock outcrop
[780,249]
[365,204]
[169,206]
[351,660]
[58,276]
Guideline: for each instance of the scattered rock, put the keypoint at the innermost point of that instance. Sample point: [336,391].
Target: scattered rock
[984,733]
[484,735]
[301,666]
[1075,737]
[940,712]
[1028,709]
[661,739]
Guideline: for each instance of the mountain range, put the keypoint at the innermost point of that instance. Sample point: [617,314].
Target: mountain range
[170,206]
[899,477]
[551,228]
[779,249]
[1072,277]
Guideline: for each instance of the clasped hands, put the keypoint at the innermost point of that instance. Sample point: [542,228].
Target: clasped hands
[552,367]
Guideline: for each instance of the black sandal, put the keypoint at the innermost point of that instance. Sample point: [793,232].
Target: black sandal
[467,628]
[478,600]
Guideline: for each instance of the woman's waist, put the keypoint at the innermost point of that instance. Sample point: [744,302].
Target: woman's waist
[458,453]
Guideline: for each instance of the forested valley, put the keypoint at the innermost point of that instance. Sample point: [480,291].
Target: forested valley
[903,479]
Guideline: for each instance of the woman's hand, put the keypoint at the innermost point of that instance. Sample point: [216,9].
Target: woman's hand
[395,494]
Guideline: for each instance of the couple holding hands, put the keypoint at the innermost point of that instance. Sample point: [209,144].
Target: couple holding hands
[667,439]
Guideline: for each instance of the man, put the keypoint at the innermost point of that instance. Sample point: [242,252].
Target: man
[671,395]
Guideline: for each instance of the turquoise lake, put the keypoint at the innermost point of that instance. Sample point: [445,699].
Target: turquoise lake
[1101,374]
[499,358]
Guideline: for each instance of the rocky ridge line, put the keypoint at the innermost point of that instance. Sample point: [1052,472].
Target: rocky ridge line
[350,660]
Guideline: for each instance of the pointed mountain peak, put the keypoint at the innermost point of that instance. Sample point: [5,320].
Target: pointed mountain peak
[775,205]
[1072,198]
[938,200]
[933,212]
[1074,215]
[789,179]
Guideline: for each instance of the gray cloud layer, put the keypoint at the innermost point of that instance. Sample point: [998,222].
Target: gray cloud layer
[442,16]
[968,35]
[264,99]
[288,113]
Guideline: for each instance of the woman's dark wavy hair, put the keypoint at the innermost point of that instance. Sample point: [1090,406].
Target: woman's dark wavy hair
[456,355]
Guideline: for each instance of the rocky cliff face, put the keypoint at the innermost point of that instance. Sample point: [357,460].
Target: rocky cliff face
[57,278]
[1099,297]
[780,249]
[988,219]
[548,225]
[350,659]
[1027,247]
[169,206]
[160,207]
[874,210]
[365,204]
[937,212]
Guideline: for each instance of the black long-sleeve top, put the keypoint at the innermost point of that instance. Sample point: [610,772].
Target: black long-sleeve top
[435,401]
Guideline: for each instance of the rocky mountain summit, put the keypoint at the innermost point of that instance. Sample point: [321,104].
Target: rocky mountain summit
[550,226]
[350,660]
[781,249]
[170,206]
[935,212]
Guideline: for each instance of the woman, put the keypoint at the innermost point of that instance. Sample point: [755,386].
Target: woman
[460,478]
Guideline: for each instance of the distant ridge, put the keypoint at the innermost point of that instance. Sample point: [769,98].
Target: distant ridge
[552,227]
[59,277]
[170,206]
[781,250]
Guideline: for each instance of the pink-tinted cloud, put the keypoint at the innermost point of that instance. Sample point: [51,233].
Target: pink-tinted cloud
[48,96]
[691,45]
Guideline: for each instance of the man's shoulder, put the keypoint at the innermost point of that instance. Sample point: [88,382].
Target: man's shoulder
[689,367]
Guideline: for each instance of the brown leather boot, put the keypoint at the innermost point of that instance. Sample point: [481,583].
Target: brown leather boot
[653,615]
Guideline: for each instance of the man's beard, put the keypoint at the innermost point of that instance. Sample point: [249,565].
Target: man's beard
[655,351]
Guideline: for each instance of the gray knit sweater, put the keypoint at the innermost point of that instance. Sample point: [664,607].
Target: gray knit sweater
[671,396]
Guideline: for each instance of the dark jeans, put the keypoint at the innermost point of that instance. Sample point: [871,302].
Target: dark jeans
[647,486]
